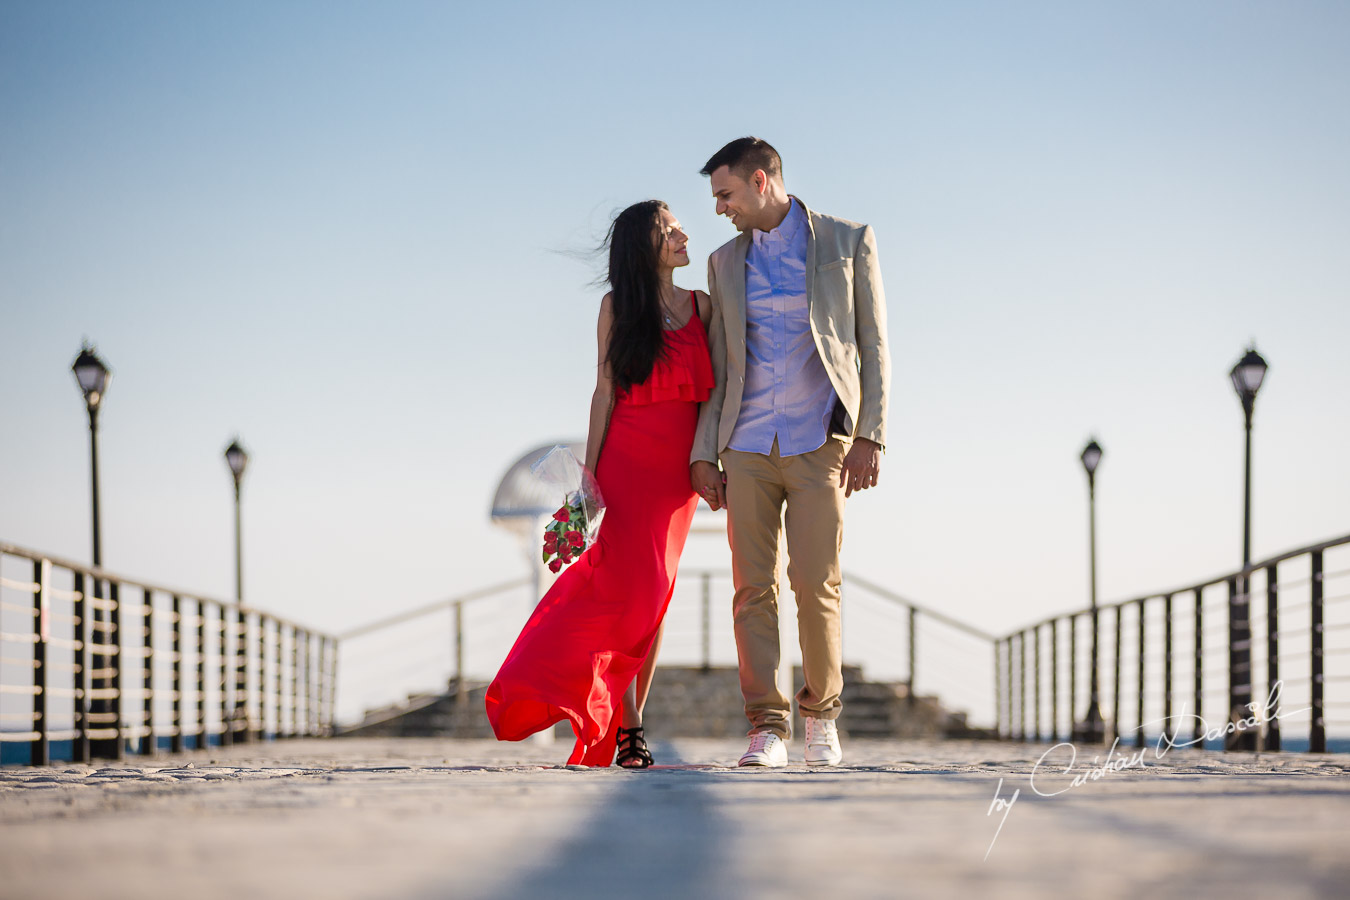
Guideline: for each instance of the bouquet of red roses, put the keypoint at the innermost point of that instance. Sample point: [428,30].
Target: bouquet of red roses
[577,522]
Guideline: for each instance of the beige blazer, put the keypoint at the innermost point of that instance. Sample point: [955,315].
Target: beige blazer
[848,322]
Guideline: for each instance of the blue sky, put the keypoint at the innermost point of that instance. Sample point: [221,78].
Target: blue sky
[350,233]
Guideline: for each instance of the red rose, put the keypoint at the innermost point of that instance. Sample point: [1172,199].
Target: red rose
[574,538]
[563,515]
[555,565]
[551,539]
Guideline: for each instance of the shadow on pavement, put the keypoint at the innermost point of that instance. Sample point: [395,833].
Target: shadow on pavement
[658,834]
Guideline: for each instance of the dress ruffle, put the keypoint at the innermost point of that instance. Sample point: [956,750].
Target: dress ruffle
[684,372]
[677,381]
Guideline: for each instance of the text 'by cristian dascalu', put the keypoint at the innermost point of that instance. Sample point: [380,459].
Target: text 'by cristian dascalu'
[1118,762]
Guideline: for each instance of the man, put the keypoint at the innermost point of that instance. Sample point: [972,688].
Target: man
[797,418]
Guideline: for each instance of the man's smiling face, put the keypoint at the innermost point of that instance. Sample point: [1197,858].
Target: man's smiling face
[739,200]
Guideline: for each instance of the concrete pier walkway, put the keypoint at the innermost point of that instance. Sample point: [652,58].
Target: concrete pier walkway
[424,818]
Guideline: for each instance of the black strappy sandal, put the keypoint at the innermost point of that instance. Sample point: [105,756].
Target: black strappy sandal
[632,752]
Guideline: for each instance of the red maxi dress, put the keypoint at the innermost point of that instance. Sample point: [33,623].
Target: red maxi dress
[588,637]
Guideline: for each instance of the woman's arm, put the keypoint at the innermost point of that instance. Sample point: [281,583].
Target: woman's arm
[602,401]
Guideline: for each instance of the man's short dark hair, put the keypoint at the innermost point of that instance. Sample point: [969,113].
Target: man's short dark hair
[743,156]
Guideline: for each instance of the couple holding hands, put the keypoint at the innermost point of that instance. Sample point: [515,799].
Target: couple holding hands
[779,374]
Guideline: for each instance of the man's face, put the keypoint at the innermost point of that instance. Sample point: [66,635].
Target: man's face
[739,200]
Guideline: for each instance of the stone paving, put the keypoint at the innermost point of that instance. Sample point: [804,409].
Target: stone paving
[427,818]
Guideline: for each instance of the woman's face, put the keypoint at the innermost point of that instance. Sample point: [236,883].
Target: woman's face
[671,242]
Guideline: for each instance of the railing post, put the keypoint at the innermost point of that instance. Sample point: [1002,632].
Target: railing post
[1139,738]
[1167,667]
[1073,669]
[280,632]
[320,687]
[313,664]
[308,688]
[203,733]
[98,637]
[1022,686]
[295,681]
[301,677]
[706,636]
[226,734]
[913,650]
[461,690]
[1272,741]
[1197,729]
[302,682]
[1007,683]
[40,749]
[1054,680]
[114,594]
[325,685]
[315,683]
[331,716]
[1115,680]
[104,661]
[262,676]
[80,751]
[998,691]
[240,723]
[1239,664]
[1317,735]
[176,741]
[1036,680]
[148,672]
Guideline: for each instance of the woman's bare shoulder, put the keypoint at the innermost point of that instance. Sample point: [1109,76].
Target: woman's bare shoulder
[704,305]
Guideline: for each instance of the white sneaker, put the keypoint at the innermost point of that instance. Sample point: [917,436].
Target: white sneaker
[766,749]
[822,743]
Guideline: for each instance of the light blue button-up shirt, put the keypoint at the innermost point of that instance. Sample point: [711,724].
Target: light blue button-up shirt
[787,394]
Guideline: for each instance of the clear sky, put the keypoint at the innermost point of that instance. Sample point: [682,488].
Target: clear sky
[349,232]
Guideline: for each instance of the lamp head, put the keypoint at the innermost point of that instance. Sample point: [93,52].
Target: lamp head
[1248,374]
[237,459]
[92,375]
[1092,455]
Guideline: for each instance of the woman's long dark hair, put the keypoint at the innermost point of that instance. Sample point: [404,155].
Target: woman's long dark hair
[636,341]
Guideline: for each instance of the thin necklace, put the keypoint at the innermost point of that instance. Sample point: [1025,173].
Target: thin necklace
[667,310]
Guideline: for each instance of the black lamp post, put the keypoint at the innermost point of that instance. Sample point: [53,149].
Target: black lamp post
[93,378]
[1247,376]
[1092,729]
[237,459]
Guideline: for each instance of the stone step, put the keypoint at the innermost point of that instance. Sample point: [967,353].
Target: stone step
[860,691]
[686,701]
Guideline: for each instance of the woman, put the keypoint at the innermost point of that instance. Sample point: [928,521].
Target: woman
[588,651]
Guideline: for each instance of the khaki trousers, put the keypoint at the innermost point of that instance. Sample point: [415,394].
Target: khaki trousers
[758,486]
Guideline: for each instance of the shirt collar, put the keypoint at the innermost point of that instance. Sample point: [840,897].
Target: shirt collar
[786,230]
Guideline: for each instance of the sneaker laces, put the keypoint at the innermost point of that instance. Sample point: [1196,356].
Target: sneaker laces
[821,731]
[759,740]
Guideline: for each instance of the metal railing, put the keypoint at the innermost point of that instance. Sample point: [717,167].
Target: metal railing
[462,640]
[1280,659]
[113,664]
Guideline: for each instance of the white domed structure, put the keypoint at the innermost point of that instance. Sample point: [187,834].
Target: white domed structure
[522,499]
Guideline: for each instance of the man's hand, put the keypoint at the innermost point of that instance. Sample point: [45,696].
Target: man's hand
[709,483]
[861,466]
